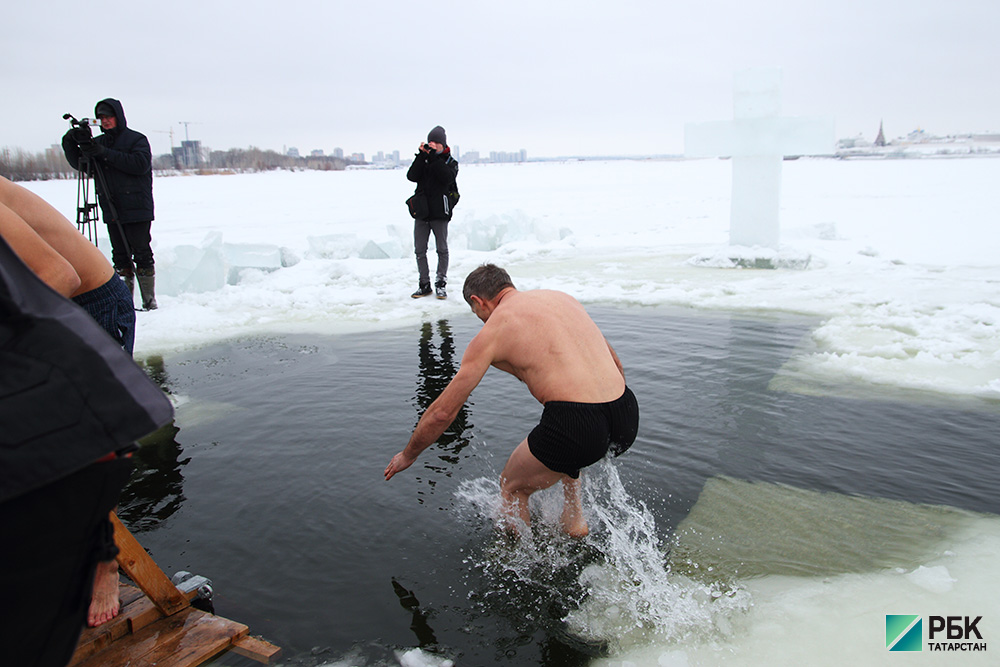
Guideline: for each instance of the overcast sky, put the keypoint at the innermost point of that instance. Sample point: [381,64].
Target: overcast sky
[554,78]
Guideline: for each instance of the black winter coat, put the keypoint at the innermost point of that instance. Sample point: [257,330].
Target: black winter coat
[127,163]
[70,393]
[434,173]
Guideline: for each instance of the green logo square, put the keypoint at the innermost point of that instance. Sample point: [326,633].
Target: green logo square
[904,632]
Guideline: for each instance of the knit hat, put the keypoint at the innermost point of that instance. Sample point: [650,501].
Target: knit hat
[105,109]
[438,136]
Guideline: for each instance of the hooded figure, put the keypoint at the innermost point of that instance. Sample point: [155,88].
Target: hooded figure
[435,171]
[122,165]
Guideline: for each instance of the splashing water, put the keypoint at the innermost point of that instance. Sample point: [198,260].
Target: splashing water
[610,591]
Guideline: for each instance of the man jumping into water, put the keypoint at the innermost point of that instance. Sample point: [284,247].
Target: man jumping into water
[547,340]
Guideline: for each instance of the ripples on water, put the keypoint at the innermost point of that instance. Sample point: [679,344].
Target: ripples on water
[269,483]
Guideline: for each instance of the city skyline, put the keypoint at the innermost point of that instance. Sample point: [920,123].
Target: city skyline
[558,78]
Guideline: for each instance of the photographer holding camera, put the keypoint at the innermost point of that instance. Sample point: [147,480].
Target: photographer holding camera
[122,163]
[434,170]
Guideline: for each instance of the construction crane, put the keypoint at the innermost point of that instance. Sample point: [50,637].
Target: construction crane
[185,123]
[171,133]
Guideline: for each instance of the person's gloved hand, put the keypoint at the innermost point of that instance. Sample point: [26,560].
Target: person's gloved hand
[93,149]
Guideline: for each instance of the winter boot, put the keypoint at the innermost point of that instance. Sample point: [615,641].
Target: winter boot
[146,278]
[439,290]
[423,290]
[125,273]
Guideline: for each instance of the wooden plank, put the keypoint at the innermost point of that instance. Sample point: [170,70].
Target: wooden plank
[137,611]
[128,594]
[157,625]
[146,574]
[256,648]
[187,638]
[202,637]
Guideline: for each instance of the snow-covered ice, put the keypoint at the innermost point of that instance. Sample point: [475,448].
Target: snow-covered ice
[897,259]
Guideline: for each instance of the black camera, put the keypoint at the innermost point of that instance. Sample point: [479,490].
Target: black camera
[80,129]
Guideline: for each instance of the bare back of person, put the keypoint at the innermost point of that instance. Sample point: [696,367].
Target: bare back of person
[547,340]
[49,243]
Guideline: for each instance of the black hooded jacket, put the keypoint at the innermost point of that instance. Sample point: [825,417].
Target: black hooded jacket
[127,163]
[434,174]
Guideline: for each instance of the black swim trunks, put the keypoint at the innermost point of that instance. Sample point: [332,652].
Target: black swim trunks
[571,436]
[112,307]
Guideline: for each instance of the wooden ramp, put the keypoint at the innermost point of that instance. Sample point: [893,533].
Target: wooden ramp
[157,624]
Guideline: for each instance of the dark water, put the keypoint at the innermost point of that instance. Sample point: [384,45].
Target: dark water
[270,481]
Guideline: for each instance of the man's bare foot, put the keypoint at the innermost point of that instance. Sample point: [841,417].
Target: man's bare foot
[575,526]
[104,603]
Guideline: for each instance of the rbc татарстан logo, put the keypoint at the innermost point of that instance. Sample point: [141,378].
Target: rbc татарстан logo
[904,632]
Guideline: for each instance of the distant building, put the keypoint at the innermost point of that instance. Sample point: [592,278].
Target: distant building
[292,152]
[338,153]
[880,139]
[500,156]
[317,153]
[473,157]
[386,160]
[854,142]
[188,156]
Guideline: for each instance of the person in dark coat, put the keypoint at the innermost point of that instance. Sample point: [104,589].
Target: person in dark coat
[72,405]
[124,182]
[434,170]
[70,265]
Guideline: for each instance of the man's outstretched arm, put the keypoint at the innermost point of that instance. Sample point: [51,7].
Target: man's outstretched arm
[443,411]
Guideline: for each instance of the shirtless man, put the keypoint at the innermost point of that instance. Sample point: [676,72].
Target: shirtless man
[67,262]
[545,339]
[58,254]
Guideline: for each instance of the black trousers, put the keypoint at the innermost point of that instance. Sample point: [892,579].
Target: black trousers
[53,538]
[138,236]
[421,236]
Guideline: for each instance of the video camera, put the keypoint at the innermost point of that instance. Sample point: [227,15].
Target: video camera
[80,129]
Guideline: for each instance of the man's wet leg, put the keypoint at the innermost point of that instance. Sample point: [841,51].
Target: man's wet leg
[523,475]
[574,522]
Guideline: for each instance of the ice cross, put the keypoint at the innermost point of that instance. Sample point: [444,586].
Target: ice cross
[757,139]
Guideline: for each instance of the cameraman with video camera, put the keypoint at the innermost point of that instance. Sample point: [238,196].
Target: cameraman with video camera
[122,164]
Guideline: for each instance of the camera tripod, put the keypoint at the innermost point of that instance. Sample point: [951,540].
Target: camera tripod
[87,209]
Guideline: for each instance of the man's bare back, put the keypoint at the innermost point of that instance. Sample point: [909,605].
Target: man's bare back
[548,341]
[49,243]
